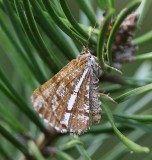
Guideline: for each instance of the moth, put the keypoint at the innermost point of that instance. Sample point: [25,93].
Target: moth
[70,100]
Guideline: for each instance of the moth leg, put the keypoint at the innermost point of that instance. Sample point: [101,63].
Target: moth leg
[108,97]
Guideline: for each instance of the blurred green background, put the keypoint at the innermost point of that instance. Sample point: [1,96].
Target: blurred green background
[100,145]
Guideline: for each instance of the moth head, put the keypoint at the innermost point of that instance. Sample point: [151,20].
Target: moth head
[85,50]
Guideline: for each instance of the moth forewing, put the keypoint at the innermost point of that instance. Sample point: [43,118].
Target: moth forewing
[70,100]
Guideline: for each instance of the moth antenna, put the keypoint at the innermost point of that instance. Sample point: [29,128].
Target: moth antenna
[91,33]
[80,42]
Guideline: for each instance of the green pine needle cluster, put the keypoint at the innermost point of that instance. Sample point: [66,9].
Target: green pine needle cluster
[37,39]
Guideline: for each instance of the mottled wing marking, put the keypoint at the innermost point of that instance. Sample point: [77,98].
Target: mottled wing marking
[52,94]
[79,120]
[95,103]
[61,107]
[74,96]
[47,113]
[70,100]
